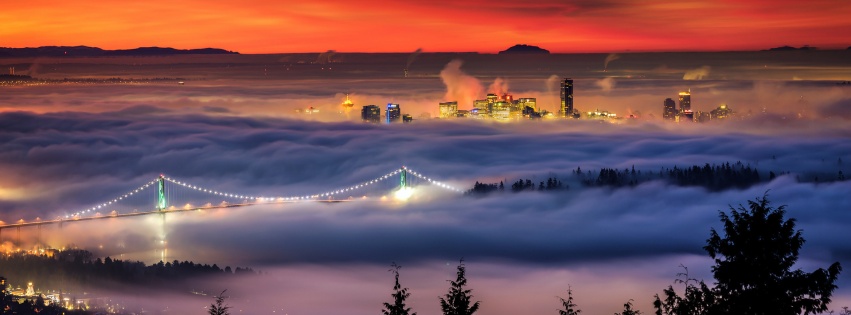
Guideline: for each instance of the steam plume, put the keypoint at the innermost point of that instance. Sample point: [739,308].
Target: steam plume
[610,58]
[606,84]
[460,86]
[697,74]
[413,57]
[499,86]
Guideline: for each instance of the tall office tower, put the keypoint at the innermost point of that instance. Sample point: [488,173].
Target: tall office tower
[566,109]
[448,109]
[394,113]
[685,101]
[669,111]
[371,114]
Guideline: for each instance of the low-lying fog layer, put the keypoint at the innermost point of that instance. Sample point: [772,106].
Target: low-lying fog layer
[66,148]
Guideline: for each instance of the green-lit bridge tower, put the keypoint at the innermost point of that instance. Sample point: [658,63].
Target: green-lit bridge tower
[161,202]
[403,179]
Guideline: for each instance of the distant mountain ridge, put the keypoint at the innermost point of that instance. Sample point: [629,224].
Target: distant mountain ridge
[524,49]
[788,48]
[86,51]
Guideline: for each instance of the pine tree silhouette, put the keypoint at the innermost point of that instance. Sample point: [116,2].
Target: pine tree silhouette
[457,300]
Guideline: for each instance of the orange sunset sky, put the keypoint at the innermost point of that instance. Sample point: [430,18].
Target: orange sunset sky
[271,26]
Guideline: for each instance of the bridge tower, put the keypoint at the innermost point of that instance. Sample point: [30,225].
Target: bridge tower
[161,202]
[403,180]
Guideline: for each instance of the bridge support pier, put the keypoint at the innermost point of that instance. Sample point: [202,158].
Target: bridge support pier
[163,240]
[161,201]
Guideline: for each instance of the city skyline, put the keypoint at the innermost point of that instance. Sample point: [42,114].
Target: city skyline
[561,27]
[134,176]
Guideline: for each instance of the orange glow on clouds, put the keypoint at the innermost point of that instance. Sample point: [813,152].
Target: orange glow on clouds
[269,26]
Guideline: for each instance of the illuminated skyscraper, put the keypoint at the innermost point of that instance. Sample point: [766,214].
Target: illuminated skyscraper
[371,114]
[685,101]
[394,113]
[566,109]
[669,111]
[406,118]
[448,109]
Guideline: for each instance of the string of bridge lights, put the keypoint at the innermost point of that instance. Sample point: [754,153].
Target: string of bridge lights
[108,203]
[288,198]
[259,198]
[431,181]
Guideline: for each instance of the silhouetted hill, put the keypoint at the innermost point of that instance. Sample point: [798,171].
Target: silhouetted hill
[85,51]
[786,48]
[524,49]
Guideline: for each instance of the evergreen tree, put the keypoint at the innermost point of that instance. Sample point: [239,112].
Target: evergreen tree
[457,301]
[399,296]
[569,306]
[753,262]
[628,310]
[219,307]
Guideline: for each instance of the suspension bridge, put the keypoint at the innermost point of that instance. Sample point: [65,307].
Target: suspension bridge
[161,183]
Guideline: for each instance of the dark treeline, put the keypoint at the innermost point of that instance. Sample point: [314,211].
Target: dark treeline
[713,177]
[755,255]
[71,269]
[552,183]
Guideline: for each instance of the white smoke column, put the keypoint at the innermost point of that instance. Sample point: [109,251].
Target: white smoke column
[460,86]
[553,84]
[697,74]
[33,69]
[610,58]
[499,86]
[606,84]
[413,57]
[552,99]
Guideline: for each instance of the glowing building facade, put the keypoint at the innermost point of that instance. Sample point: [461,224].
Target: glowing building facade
[371,114]
[722,112]
[448,109]
[524,102]
[501,110]
[566,109]
[394,113]
[687,116]
[669,109]
[685,101]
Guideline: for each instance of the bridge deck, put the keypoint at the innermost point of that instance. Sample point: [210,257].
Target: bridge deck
[164,211]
